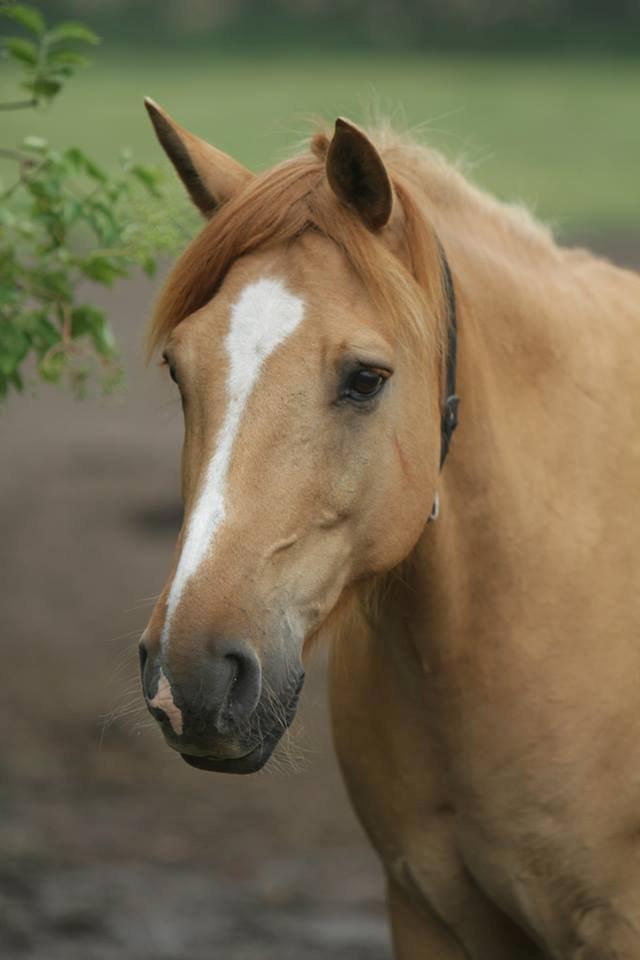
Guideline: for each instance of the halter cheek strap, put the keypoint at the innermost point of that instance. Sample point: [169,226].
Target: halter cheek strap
[451,401]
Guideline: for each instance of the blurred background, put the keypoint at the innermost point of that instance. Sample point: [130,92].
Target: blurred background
[110,846]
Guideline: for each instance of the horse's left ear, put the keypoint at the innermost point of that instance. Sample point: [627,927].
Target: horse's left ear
[210,176]
[358,176]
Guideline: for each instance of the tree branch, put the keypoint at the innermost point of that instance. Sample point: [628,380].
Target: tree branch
[19,104]
[16,155]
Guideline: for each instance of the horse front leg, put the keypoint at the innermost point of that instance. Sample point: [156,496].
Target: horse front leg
[418,934]
[392,769]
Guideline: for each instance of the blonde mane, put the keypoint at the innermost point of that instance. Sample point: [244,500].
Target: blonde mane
[279,205]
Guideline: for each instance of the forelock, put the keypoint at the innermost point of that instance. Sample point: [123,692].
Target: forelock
[280,205]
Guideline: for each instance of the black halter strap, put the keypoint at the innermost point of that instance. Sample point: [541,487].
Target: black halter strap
[449,417]
[450,402]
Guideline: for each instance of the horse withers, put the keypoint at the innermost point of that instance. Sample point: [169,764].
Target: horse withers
[485,665]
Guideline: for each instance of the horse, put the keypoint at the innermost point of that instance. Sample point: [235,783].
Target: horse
[479,590]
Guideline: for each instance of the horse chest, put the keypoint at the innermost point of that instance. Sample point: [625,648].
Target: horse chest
[478,798]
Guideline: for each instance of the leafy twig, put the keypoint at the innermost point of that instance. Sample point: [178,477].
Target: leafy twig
[19,104]
[16,155]
[63,222]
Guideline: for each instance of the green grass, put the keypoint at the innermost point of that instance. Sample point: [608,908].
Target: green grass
[561,135]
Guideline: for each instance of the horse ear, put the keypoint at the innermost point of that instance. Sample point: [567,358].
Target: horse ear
[210,176]
[357,175]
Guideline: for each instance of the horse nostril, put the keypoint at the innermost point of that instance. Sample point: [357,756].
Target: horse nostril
[143,655]
[216,694]
[245,686]
[149,671]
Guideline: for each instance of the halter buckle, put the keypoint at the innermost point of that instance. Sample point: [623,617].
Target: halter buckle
[448,424]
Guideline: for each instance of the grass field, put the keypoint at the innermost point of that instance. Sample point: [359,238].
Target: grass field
[562,135]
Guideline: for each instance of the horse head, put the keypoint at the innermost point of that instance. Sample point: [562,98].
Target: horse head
[304,330]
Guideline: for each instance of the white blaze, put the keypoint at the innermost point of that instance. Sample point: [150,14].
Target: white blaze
[264,315]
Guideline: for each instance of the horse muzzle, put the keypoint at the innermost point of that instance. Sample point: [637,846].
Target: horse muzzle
[215,712]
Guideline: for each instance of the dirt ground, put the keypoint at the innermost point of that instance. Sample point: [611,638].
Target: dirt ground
[110,846]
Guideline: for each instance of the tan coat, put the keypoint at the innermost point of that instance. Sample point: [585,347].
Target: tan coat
[486,667]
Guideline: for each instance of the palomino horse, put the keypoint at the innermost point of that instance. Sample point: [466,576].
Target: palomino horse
[485,678]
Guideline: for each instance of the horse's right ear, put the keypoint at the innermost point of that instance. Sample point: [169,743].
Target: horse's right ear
[210,176]
[357,175]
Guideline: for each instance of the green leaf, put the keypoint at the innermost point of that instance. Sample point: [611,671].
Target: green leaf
[72,30]
[7,295]
[23,50]
[88,321]
[67,58]
[109,224]
[51,366]
[37,144]
[101,268]
[148,177]
[29,18]
[83,320]
[44,333]
[43,87]
[53,286]
[149,265]
[14,346]
[7,217]
[78,159]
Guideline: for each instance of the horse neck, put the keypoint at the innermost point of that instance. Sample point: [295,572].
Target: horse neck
[506,345]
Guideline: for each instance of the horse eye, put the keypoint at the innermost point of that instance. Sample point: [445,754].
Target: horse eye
[364,384]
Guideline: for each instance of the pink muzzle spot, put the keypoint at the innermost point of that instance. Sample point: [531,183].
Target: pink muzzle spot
[163,700]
